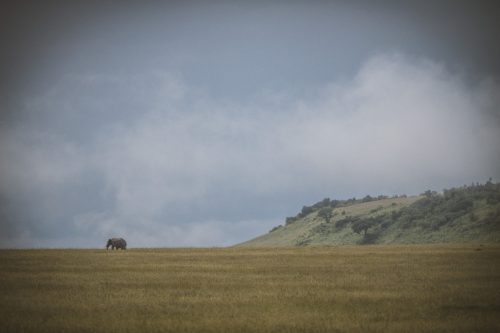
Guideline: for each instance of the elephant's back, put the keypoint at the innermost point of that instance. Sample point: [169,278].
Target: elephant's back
[118,241]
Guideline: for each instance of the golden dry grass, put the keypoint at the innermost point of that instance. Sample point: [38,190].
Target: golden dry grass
[441,288]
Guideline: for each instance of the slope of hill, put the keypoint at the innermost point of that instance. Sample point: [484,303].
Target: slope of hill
[465,214]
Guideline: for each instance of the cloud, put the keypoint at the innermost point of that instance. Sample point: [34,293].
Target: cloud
[401,123]
[173,167]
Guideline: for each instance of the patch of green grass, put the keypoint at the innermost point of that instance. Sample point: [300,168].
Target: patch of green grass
[441,288]
[468,214]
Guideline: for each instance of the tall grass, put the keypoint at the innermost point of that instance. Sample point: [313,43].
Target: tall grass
[316,289]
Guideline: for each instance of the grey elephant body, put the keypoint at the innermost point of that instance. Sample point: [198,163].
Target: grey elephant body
[116,243]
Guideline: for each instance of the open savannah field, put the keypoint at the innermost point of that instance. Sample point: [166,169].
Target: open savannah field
[441,288]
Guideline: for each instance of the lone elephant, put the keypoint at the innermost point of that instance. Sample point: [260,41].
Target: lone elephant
[116,243]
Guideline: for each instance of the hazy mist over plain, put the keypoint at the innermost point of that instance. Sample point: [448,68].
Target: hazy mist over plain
[196,124]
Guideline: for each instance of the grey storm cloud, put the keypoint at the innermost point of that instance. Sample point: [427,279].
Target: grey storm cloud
[158,161]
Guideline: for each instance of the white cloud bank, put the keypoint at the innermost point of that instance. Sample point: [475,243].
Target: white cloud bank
[189,171]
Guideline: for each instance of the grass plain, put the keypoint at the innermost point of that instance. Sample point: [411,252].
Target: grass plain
[411,288]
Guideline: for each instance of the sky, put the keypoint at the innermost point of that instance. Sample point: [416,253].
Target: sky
[206,124]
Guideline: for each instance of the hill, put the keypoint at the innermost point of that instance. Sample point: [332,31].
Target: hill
[465,214]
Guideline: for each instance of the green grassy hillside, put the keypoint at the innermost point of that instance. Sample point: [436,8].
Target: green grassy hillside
[466,214]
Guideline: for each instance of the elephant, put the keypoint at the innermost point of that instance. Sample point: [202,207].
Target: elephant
[118,243]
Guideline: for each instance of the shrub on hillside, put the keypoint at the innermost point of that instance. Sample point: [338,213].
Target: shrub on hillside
[361,225]
[276,228]
[368,198]
[306,210]
[325,213]
[345,221]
